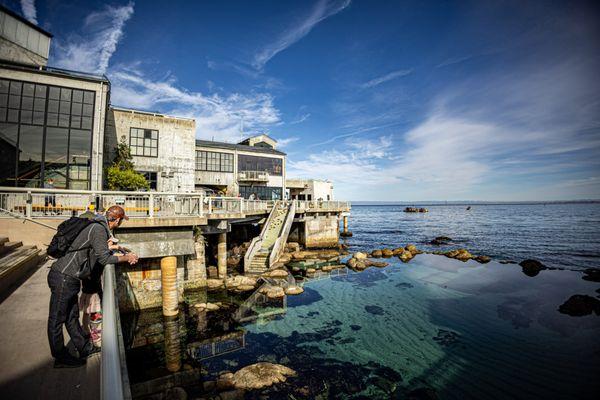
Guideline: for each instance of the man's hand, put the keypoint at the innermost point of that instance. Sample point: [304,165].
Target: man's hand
[132,258]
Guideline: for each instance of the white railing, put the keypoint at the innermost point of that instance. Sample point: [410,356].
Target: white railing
[43,203]
[281,240]
[253,176]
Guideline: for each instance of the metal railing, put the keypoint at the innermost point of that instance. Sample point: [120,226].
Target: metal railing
[44,203]
[253,176]
[113,375]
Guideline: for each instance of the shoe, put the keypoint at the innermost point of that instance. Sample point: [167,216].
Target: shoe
[68,362]
[89,351]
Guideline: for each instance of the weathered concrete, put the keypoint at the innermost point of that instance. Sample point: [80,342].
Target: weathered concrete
[222,255]
[149,243]
[26,366]
[28,232]
[196,266]
[321,230]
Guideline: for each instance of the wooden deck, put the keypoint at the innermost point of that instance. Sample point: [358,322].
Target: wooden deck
[26,366]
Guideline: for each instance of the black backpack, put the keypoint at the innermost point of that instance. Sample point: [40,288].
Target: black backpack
[66,233]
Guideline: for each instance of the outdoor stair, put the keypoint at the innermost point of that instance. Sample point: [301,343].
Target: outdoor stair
[16,262]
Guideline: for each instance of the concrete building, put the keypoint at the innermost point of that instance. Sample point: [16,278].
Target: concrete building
[162,146]
[310,189]
[251,168]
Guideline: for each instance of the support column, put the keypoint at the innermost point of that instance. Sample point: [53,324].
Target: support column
[222,256]
[345,224]
[168,269]
[172,344]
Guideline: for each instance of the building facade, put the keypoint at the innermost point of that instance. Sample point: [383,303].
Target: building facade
[162,146]
[310,189]
[253,168]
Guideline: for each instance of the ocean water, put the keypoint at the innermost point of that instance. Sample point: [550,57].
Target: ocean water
[431,327]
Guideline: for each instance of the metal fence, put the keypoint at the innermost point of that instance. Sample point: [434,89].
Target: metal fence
[40,203]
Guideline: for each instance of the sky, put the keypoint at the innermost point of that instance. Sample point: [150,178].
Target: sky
[390,100]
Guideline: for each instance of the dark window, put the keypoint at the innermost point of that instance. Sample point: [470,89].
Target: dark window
[44,135]
[143,142]
[151,177]
[213,161]
[261,192]
[263,164]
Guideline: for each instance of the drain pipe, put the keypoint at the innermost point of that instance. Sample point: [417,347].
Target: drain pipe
[168,269]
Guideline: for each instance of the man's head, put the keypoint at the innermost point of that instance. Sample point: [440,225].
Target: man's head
[50,180]
[115,215]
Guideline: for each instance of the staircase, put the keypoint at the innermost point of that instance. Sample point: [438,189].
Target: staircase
[266,249]
[16,262]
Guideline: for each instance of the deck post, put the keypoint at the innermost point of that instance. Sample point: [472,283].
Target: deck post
[151,205]
[345,224]
[168,269]
[29,204]
[222,256]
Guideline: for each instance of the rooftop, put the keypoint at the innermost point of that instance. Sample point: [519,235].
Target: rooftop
[64,73]
[241,147]
[145,112]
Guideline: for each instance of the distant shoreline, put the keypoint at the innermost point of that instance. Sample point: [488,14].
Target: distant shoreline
[469,203]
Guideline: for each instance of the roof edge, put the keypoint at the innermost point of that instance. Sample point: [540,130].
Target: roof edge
[25,21]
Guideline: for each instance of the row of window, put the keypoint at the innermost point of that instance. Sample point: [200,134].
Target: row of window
[261,192]
[274,166]
[213,161]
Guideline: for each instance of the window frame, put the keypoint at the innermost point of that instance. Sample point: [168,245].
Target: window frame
[214,161]
[143,146]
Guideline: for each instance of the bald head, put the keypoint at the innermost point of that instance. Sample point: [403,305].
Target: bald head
[114,215]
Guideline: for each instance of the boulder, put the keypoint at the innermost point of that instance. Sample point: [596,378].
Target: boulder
[398,250]
[239,280]
[580,305]
[225,382]
[214,283]
[285,258]
[292,290]
[261,375]
[459,254]
[532,267]
[378,264]
[244,288]
[310,270]
[275,292]
[207,306]
[387,253]
[351,263]
[441,240]
[292,246]
[412,248]
[233,261]
[360,256]
[405,256]
[592,274]
[482,259]
[376,254]
[278,273]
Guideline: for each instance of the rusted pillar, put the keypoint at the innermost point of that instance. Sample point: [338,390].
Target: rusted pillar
[345,224]
[222,256]
[168,269]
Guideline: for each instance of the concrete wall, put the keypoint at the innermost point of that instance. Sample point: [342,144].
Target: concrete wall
[176,159]
[100,88]
[15,53]
[28,232]
[321,230]
[316,189]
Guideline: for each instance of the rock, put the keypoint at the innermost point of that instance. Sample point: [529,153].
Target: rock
[580,305]
[346,234]
[310,270]
[459,254]
[592,274]
[293,246]
[233,261]
[240,280]
[244,288]
[412,248]
[225,382]
[360,256]
[212,272]
[387,253]
[207,306]
[398,250]
[376,254]
[176,393]
[214,283]
[285,258]
[278,273]
[483,259]
[532,267]
[405,256]
[360,265]
[507,262]
[441,240]
[273,292]
[351,263]
[261,375]
[415,210]
[378,264]
[326,268]
[237,394]
[292,290]
[422,394]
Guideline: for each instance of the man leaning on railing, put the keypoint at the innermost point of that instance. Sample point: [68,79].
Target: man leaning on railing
[87,249]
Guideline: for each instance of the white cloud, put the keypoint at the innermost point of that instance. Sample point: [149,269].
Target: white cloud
[91,50]
[282,143]
[29,11]
[217,116]
[300,119]
[322,10]
[385,78]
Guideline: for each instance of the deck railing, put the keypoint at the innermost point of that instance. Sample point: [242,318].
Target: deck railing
[46,203]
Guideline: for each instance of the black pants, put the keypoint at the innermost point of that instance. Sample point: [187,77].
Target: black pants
[64,309]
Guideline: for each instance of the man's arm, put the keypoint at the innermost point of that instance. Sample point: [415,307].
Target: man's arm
[100,245]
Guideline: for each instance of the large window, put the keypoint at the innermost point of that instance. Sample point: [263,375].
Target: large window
[45,132]
[143,142]
[264,164]
[151,177]
[261,192]
[213,161]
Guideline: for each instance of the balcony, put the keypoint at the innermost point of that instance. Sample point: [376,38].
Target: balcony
[253,176]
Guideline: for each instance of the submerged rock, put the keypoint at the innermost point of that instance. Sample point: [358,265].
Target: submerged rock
[459,254]
[240,280]
[215,283]
[294,290]
[360,256]
[387,253]
[405,256]
[378,264]
[412,248]
[422,394]
[580,305]
[261,375]
[375,310]
[592,274]
[482,259]
[376,254]
[277,273]
[207,306]
[532,267]
[440,240]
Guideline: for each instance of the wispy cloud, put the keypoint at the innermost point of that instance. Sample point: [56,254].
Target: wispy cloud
[218,116]
[453,60]
[282,143]
[385,78]
[91,50]
[300,119]
[322,10]
[29,10]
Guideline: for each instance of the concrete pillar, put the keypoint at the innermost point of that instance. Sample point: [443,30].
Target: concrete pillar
[222,255]
[172,344]
[345,223]
[168,269]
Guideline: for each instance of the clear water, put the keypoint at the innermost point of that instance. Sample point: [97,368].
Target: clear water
[463,330]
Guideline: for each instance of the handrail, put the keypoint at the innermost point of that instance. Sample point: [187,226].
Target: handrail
[113,377]
[281,240]
[256,242]
[19,216]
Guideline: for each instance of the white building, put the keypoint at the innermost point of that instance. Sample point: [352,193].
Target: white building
[309,189]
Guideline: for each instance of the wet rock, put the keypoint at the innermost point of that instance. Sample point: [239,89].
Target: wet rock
[532,267]
[405,256]
[378,264]
[483,259]
[360,256]
[285,258]
[261,375]
[580,305]
[273,292]
[446,338]
[244,288]
[225,382]
[292,246]
[240,280]
[278,273]
[387,253]
[346,234]
[507,262]
[459,254]
[592,274]
[310,270]
[440,240]
[375,310]
[355,327]
[292,290]
[214,283]
[413,249]
[376,254]
[237,394]
[422,394]
[404,285]
[207,306]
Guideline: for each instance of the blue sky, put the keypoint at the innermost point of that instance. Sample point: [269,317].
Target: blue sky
[390,100]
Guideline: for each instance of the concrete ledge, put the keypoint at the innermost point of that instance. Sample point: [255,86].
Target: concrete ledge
[163,222]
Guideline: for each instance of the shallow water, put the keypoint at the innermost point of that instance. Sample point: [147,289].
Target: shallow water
[464,329]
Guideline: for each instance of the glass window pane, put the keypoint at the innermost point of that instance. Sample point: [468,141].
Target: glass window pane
[2,114]
[27,103]
[28,89]
[63,120]
[38,118]
[40,91]
[30,155]
[154,134]
[88,97]
[65,107]
[8,153]
[65,94]
[4,84]
[26,116]
[75,121]
[14,102]
[52,119]
[86,123]
[15,87]
[3,100]
[53,106]
[87,110]
[76,109]
[54,93]
[39,105]
[12,116]
[154,153]
[55,163]
[78,96]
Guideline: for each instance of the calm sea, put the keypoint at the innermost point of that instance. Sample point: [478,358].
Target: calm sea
[559,235]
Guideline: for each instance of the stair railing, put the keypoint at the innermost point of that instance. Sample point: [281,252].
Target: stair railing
[281,240]
[256,243]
